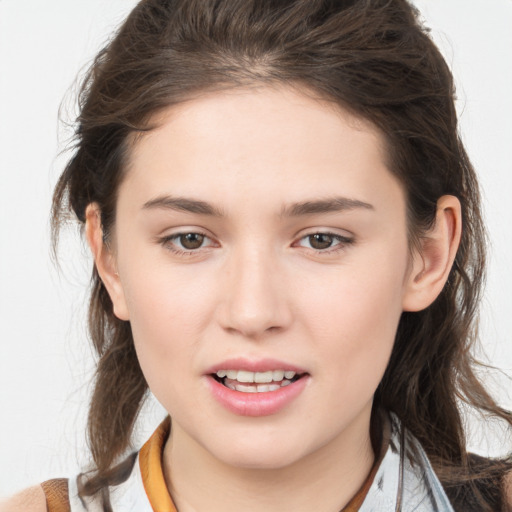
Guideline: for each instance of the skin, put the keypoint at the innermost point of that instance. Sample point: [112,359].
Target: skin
[31,499]
[257,289]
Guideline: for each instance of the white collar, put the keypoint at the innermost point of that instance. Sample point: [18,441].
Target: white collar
[405,480]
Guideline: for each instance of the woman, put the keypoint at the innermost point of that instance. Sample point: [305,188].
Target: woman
[288,253]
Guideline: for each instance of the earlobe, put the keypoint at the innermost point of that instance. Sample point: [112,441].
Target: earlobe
[433,261]
[105,261]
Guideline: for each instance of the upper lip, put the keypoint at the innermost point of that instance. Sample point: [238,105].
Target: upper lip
[257,365]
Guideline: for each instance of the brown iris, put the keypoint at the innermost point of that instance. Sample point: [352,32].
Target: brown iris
[192,240]
[321,241]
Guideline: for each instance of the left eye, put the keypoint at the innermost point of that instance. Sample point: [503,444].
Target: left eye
[191,240]
[188,241]
[323,241]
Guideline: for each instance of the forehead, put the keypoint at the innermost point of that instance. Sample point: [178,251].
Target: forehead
[278,141]
[259,112]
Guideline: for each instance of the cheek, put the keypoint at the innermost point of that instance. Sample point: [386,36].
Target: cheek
[163,298]
[167,314]
[354,317]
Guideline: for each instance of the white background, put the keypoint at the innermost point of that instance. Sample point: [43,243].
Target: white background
[45,360]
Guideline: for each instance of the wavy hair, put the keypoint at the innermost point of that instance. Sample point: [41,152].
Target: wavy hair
[372,57]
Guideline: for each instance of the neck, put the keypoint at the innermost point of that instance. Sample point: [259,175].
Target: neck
[323,480]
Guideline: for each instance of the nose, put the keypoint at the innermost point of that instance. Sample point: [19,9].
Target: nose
[254,298]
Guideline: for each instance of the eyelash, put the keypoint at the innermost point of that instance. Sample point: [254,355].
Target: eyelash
[343,241]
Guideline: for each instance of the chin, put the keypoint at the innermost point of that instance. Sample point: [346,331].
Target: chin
[261,461]
[258,454]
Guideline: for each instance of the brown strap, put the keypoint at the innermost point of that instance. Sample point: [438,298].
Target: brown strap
[57,495]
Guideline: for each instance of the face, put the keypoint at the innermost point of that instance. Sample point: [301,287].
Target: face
[260,237]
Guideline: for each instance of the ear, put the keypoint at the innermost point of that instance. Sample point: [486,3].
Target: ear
[433,260]
[105,261]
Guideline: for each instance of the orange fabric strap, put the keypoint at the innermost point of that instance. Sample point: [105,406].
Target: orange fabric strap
[57,497]
[150,461]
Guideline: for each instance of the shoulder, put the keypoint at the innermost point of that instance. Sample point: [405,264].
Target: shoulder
[32,499]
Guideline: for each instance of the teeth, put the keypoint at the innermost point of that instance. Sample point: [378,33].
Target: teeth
[264,388]
[244,376]
[257,377]
[246,389]
[256,382]
[260,388]
[264,377]
[278,375]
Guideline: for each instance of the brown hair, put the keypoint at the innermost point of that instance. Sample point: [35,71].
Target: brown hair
[372,57]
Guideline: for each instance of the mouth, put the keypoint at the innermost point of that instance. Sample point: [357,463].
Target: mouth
[256,382]
[260,387]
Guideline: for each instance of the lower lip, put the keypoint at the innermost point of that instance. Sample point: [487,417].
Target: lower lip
[256,404]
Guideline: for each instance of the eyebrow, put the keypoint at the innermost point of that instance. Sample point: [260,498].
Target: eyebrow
[183,204]
[331,205]
[188,205]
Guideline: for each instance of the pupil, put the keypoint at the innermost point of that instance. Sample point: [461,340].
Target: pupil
[320,241]
[192,240]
